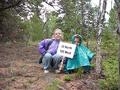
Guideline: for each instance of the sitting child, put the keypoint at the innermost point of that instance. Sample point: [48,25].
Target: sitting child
[82,56]
[51,59]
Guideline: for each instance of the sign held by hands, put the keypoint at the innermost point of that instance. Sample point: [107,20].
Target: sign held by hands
[66,49]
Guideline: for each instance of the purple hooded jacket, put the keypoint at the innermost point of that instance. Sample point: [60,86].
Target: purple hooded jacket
[52,49]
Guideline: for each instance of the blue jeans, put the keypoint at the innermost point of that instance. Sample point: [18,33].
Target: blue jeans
[51,61]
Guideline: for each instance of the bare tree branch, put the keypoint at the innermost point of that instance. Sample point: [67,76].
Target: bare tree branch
[11,5]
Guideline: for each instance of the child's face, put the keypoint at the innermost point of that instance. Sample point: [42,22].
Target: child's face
[58,35]
[77,41]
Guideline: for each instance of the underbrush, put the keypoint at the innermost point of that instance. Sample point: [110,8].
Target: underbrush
[110,67]
[110,64]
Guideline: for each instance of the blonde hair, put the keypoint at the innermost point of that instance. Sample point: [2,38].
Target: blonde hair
[60,31]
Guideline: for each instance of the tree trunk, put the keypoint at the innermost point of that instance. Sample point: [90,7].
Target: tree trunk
[100,27]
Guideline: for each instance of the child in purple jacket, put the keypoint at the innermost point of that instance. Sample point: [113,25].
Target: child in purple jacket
[50,55]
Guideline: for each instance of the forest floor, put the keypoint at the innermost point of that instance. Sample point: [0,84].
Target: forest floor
[19,70]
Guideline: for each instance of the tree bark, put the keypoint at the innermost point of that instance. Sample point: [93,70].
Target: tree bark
[100,27]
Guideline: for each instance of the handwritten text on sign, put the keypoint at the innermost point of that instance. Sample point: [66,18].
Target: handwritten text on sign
[66,49]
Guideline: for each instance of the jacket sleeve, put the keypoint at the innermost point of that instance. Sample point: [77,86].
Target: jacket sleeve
[42,49]
[89,53]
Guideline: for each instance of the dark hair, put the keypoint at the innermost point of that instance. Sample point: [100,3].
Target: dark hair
[77,36]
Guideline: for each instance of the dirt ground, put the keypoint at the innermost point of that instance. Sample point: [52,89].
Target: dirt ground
[19,70]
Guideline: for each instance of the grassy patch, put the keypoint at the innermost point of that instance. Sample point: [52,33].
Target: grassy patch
[53,85]
[79,72]
[68,78]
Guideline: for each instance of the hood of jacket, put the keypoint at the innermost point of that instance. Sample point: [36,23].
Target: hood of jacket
[76,35]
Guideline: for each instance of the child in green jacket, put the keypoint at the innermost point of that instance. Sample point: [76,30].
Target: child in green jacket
[82,56]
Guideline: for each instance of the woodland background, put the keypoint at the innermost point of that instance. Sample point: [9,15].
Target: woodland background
[27,21]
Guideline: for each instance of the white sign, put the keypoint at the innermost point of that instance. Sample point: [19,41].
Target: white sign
[66,49]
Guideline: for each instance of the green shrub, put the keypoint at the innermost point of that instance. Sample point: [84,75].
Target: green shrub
[110,64]
[110,67]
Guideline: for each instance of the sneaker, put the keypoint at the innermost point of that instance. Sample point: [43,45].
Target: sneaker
[46,71]
[57,71]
